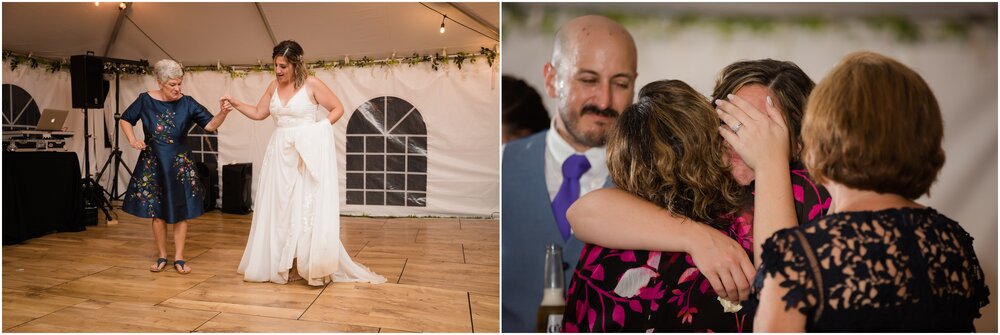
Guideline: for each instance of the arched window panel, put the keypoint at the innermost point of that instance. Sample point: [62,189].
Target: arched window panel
[20,112]
[387,154]
[204,145]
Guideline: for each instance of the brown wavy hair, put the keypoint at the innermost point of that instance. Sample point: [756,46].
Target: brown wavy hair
[873,124]
[789,84]
[292,52]
[666,148]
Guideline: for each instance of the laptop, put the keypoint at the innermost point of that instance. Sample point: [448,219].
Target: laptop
[52,120]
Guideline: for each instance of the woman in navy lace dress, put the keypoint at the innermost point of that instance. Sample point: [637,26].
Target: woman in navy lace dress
[880,261]
[165,184]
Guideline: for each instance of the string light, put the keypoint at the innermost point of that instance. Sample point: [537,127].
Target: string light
[122,5]
[442,23]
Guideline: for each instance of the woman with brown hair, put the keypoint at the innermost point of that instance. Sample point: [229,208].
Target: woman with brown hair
[618,219]
[880,261]
[295,232]
[665,149]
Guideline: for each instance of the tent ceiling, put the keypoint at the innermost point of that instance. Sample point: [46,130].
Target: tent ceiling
[234,33]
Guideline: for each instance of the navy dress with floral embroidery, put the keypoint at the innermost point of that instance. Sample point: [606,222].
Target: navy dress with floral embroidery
[165,182]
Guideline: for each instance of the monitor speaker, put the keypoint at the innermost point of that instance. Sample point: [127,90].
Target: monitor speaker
[87,77]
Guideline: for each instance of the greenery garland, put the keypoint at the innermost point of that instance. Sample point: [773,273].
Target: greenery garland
[903,28]
[238,71]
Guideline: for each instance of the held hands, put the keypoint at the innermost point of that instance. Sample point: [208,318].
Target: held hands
[225,104]
[137,144]
[759,137]
[723,262]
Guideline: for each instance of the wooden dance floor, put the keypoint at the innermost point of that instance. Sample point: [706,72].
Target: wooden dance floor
[444,276]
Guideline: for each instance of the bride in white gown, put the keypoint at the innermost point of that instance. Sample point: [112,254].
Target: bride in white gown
[296,221]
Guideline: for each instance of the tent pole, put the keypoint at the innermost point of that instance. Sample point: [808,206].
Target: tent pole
[270,33]
[118,27]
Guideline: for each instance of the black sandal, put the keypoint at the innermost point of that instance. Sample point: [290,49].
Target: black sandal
[181,264]
[160,264]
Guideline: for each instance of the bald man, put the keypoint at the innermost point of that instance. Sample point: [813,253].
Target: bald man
[592,77]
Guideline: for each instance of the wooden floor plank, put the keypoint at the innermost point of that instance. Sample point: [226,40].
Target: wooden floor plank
[118,317]
[443,276]
[231,294]
[394,306]
[239,323]
[484,279]
[485,313]
[22,306]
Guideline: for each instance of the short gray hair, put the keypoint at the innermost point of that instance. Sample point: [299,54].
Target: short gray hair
[167,69]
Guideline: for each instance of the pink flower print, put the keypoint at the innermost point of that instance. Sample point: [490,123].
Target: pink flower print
[742,232]
[799,193]
[633,280]
[570,328]
[687,314]
[628,256]
[818,208]
[635,305]
[688,275]
[654,259]
[598,273]
[618,315]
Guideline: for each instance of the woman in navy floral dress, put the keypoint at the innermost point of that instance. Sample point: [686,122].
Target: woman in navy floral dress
[619,285]
[165,184]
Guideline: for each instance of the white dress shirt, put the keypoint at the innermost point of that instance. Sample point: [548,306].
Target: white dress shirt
[557,150]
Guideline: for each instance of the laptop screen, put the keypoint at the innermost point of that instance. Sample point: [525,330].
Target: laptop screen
[52,120]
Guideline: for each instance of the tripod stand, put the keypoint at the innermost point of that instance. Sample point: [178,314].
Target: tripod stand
[115,159]
[93,193]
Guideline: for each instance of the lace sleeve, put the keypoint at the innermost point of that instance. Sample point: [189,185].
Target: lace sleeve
[788,253]
[980,292]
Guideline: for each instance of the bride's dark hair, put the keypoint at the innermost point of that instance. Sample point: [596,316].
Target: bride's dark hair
[292,52]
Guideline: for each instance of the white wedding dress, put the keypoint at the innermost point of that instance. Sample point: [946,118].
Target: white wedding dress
[297,205]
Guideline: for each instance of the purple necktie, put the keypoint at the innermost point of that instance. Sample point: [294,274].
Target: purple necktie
[572,169]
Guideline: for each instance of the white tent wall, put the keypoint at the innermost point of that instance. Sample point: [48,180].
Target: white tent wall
[961,72]
[459,108]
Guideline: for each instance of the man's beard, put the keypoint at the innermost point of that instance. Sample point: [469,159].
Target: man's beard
[594,138]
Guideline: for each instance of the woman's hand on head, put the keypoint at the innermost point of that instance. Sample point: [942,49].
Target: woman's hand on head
[759,137]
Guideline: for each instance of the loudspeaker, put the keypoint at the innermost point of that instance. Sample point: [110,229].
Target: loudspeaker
[236,180]
[208,173]
[87,77]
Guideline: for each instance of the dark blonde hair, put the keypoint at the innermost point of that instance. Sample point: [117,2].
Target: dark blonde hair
[873,124]
[790,85]
[666,148]
[292,52]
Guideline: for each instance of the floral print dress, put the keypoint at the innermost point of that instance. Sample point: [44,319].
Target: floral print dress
[165,181]
[649,291]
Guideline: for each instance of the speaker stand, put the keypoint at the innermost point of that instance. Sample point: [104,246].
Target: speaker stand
[93,193]
[115,159]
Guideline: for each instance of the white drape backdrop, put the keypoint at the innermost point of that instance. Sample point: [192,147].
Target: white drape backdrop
[459,107]
[961,72]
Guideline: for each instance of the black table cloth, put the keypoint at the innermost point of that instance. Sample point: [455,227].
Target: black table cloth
[42,193]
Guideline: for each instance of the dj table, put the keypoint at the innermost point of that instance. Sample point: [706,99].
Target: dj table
[43,193]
